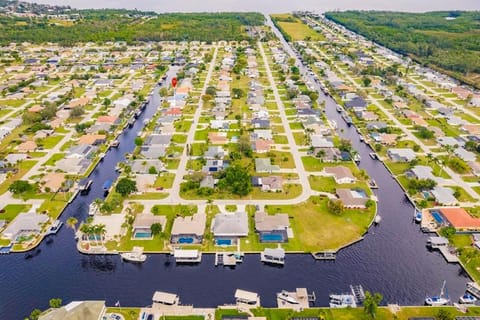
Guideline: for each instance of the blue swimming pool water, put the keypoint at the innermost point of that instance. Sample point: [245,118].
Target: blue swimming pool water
[224,242]
[185,240]
[142,235]
[271,237]
[436,215]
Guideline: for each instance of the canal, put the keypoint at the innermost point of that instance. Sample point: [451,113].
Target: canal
[392,260]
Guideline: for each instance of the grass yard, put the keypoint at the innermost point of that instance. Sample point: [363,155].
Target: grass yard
[179,138]
[23,168]
[54,158]
[10,211]
[315,228]
[50,142]
[297,29]
[283,159]
[164,180]
[127,313]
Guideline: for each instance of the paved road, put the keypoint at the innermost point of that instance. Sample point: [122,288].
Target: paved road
[174,196]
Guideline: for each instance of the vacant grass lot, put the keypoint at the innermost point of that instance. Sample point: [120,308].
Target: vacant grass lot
[297,30]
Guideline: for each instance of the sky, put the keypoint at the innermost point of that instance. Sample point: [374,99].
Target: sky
[271,6]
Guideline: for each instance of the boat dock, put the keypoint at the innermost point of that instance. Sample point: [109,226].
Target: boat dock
[229,259]
[187,256]
[243,297]
[358,293]
[297,300]
[325,255]
[474,289]
[273,256]
[449,255]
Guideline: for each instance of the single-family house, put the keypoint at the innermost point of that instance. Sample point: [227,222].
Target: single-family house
[341,174]
[141,228]
[265,165]
[25,224]
[444,196]
[401,154]
[352,198]
[27,146]
[227,228]
[214,165]
[272,228]
[75,310]
[188,229]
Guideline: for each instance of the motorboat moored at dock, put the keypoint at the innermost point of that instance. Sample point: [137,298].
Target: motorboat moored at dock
[136,255]
[56,225]
[467,298]
[440,300]
[285,296]
[84,186]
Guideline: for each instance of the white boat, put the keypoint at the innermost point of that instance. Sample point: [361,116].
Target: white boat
[418,216]
[377,219]
[56,225]
[93,209]
[467,298]
[439,300]
[356,157]
[286,297]
[136,255]
[342,301]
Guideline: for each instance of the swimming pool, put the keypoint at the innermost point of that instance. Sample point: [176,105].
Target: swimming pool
[271,237]
[224,242]
[185,240]
[438,218]
[142,235]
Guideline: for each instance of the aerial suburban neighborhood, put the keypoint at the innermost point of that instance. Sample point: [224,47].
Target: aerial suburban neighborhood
[298,149]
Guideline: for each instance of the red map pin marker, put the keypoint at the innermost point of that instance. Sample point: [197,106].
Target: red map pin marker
[174,82]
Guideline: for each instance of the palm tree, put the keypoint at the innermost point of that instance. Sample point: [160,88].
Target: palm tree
[86,229]
[72,222]
[100,230]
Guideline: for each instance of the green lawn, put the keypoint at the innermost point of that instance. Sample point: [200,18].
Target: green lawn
[23,168]
[201,135]
[179,138]
[54,158]
[164,180]
[50,142]
[280,139]
[283,159]
[198,149]
[127,313]
[297,30]
[315,228]
[12,210]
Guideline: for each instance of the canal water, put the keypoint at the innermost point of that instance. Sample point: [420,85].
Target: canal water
[392,260]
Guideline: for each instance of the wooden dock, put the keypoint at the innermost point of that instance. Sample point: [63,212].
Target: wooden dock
[448,255]
[229,259]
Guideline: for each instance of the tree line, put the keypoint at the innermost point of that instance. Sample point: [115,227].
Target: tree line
[449,41]
[106,25]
